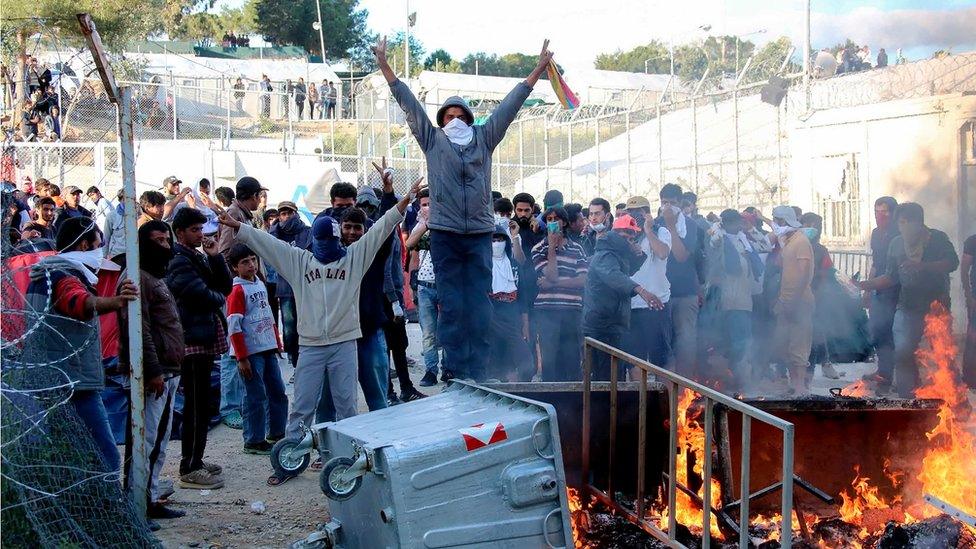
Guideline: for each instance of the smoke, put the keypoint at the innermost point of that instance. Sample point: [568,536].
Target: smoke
[898,28]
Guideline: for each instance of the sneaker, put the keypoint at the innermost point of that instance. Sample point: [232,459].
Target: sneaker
[393,400]
[429,379]
[447,375]
[200,480]
[233,420]
[272,439]
[411,362]
[411,395]
[212,468]
[153,525]
[166,488]
[160,511]
[262,448]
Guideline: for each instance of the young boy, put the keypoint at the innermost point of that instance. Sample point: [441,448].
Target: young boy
[254,342]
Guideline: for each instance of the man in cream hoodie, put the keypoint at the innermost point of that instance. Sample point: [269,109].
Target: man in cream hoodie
[326,283]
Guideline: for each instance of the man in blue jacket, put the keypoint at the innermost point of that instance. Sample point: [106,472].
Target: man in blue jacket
[461,219]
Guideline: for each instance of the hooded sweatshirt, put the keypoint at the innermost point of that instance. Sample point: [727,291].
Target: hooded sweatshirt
[298,234]
[327,296]
[609,288]
[459,176]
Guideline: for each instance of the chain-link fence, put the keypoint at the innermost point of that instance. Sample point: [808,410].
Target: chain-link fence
[57,490]
[729,146]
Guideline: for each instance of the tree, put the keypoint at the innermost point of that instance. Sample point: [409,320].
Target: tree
[442,61]
[117,21]
[289,22]
[395,47]
[513,65]
[174,14]
[654,54]
[769,59]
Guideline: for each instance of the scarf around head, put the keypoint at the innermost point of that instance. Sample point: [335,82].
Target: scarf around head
[326,246]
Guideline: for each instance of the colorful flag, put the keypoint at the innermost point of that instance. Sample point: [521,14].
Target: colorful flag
[565,95]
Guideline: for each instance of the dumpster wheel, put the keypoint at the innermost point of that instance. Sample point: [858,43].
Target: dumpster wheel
[332,483]
[287,459]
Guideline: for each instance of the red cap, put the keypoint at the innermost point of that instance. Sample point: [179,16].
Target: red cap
[626,222]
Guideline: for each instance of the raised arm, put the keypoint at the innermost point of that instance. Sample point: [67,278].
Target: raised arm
[503,116]
[417,119]
[288,260]
[365,249]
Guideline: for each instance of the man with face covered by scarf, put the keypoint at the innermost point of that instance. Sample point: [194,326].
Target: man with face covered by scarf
[458,154]
[919,261]
[162,355]
[326,284]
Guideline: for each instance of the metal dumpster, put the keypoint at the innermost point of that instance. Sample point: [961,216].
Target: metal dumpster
[469,467]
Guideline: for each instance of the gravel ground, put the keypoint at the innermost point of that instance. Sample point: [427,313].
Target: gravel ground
[223,518]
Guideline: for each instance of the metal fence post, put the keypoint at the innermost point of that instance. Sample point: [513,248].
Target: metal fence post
[744,489]
[599,177]
[521,137]
[694,137]
[176,100]
[660,145]
[786,538]
[735,125]
[545,151]
[228,91]
[570,138]
[630,166]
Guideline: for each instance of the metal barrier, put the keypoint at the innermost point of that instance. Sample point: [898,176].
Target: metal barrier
[852,263]
[673,382]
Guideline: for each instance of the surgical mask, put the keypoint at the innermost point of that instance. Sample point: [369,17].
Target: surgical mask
[811,233]
[458,132]
[498,250]
[553,227]
[599,227]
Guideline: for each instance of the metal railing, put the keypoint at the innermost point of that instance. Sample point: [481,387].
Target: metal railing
[852,263]
[673,382]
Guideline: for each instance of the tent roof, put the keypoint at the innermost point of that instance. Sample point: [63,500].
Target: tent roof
[210,67]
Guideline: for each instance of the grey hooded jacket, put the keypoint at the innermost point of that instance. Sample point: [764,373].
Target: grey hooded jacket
[459,177]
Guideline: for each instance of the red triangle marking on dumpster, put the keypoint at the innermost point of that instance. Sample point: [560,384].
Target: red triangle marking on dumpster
[483,434]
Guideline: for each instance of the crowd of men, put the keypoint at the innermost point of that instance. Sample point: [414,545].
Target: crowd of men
[505,289]
[39,110]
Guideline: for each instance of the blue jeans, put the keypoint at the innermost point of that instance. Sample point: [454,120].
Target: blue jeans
[427,304]
[881,321]
[265,403]
[908,329]
[289,324]
[462,268]
[231,390]
[91,410]
[374,376]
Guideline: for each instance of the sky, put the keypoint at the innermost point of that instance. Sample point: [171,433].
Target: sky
[578,30]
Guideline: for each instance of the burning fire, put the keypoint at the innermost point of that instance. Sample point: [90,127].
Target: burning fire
[948,469]
[578,519]
[691,439]
[949,466]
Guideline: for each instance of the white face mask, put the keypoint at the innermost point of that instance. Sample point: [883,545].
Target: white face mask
[88,262]
[782,230]
[498,250]
[599,227]
[459,132]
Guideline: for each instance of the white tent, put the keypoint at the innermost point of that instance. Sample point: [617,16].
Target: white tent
[215,68]
[441,85]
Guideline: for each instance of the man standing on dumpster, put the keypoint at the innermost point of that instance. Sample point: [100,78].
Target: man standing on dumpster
[461,219]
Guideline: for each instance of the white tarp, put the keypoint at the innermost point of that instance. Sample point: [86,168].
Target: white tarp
[252,69]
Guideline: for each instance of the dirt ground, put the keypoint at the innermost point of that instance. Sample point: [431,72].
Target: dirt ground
[223,518]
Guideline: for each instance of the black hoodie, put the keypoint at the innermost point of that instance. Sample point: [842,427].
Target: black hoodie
[609,288]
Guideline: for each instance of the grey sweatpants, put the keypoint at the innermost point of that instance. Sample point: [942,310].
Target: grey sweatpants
[340,362]
[684,316]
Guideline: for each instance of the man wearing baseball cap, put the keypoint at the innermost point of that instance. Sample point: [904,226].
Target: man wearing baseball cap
[794,304]
[651,327]
[610,288]
[72,207]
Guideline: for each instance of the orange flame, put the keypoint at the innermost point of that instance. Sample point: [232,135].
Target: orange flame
[865,497]
[691,438]
[949,466]
[578,518]
[857,389]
